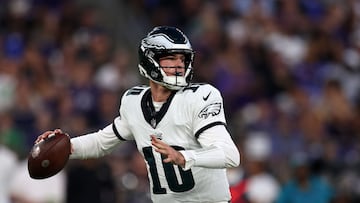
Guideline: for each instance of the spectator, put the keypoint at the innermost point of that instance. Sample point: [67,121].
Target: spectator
[304,185]
[258,184]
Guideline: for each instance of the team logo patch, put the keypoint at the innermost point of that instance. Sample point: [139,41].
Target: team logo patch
[210,110]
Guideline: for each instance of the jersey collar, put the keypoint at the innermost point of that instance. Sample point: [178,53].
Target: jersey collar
[151,116]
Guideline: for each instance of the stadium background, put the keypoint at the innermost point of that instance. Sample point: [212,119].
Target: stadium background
[289,71]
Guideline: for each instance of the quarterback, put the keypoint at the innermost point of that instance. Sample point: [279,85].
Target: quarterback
[179,127]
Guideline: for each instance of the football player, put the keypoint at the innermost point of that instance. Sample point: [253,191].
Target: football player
[179,127]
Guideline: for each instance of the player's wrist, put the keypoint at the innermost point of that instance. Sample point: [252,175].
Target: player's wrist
[181,160]
[189,159]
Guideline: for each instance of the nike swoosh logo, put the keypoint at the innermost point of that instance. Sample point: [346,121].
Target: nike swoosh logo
[207,97]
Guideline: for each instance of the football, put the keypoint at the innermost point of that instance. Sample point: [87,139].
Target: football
[49,156]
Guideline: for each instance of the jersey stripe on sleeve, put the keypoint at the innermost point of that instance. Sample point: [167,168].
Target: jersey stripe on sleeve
[197,134]
[117,132]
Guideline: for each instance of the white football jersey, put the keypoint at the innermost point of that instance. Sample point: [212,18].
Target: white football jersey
[179,123]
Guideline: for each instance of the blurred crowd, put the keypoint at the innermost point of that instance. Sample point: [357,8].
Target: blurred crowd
[289,72]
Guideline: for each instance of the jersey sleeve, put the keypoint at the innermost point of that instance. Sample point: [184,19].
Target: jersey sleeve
[95,144]
[218,150]
[208,110]
[217,147]
[120,125]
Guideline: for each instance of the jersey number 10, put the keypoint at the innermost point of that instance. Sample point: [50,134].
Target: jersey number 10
[186,176]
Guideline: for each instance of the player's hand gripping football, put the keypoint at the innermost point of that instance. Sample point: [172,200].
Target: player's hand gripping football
[47,134]
[172,156]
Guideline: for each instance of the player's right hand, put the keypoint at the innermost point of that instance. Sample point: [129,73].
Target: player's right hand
[47,134]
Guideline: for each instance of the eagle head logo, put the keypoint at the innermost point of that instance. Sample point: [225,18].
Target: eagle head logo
[210,110]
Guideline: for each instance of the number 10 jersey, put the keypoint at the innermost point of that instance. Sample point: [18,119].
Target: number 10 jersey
[179,123]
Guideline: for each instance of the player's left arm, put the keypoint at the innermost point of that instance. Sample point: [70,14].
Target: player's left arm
[217,147]
[218,150]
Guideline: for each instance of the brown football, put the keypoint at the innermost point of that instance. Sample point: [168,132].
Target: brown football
[49,156]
